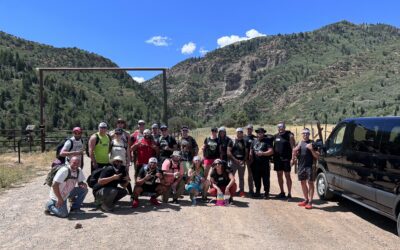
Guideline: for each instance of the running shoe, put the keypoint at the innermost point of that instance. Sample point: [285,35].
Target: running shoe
[242,194]
[308,206]
[135,203]
[303,203]
[154,201]
[281,196]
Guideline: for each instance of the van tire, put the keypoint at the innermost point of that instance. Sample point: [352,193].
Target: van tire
[323,188]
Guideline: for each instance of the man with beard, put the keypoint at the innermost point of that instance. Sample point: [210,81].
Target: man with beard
[73,146]
[261,150]
[144,149]
[167,143]
[173,177]
[188,147]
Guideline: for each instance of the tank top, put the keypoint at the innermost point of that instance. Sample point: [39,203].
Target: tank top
[119,148]
[282,147]
[305,156]
[101,149]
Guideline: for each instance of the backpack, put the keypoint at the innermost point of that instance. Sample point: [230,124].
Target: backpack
[59,148]
[53,172]
[97,142]
[93,179]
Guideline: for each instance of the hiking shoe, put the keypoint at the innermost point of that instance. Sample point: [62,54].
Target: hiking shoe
[289,196]
[266,196]
[281,195]
[105,209]
[242,194]
[308,206]
[204,199]
[135,203]
[175,201]
[256,195]
[303,203]
[230,201]
[46,212]
[154,201]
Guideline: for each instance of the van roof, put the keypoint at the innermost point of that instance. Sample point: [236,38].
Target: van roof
[381,118]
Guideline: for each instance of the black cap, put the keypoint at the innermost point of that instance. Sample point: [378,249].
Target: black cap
[261,130]
[163,126]
[184,127]
[215,129]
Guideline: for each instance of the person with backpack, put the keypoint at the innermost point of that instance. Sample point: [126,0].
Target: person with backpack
[283,144]
[149,181]
[67,182]
[99,147]
[107,191]
[211,150]
[73,146]
[188,147]
[145,148]
[237,155]
[121,124]
[173,177]
[223,141]
[260,152]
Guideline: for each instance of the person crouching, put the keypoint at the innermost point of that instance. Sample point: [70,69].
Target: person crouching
[149,180]
[222,181]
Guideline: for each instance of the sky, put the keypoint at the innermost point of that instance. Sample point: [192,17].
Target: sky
[161,33]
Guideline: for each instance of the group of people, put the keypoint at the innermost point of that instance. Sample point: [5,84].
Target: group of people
[167,167]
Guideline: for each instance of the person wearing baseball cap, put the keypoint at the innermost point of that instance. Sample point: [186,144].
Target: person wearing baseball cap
[305,155]
[144,148]
[283,144]
[197,181]
[173,172]
[237,155]
[73,147]
[155,132]
[248,138]
[260,152]
[99,147]
[211,149]
[167,143]
[134,138]
[121,124]
[149,181]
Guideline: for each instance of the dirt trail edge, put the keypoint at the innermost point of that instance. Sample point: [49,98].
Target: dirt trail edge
[248,224]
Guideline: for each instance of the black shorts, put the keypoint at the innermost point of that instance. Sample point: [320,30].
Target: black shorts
[306,174]
[149,188]
[280,165]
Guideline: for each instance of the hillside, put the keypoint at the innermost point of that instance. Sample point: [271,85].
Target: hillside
[71,98]
[337,71]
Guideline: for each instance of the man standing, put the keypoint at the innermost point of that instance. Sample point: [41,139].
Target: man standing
[121,125]
[73,146]
[136,136]
[248,138]
[106,191]
[305,154]
[64,186]
[167,143]
[99,147]
[155,132]
[283,144]
[188,148]
[261,150]
[236,153]
[223,141]
[145,148]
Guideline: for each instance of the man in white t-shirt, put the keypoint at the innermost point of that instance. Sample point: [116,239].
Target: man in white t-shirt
[73,146]
[65,186]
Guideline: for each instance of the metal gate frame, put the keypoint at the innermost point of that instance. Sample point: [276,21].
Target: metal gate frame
[41,93]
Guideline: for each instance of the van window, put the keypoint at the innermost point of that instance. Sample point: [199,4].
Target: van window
[365,139]
[391,142]
[335,143]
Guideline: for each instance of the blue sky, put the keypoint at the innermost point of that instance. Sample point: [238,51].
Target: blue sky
[152,33]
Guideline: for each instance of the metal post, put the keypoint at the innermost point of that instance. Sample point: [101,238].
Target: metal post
[15,146]
[42,125]
[19,151]
[165,109]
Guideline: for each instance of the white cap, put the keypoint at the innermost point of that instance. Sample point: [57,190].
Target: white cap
[305,131]
[239,130]
[103,125]
[147,131]
[153,159]
[140,121]
[196,158]
[222,129]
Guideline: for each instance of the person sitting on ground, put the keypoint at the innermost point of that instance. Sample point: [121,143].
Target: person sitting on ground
[106,191]
[149,181]
[222,181]
[64,186]
[211,150]
[173,177]
[197,183]
[73,146]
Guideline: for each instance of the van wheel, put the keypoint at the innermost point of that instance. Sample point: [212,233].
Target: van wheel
[322,187]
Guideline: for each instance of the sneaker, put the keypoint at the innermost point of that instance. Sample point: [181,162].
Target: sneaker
[303,203]
[289,196]
[242,194]
[193,201]
[204,199]
[281,195]
[135,203]
[46,212]
[154,201]
[105,209]
[230,201]
[266,196]
[308,206]
[175,201]
[76,211]
[256,195]
[251,193]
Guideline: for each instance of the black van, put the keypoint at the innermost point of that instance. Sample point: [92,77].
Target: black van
[361,162]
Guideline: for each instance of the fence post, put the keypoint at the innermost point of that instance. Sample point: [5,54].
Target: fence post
[19,151]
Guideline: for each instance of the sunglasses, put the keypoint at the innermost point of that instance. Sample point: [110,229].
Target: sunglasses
[77,133]
[185,130]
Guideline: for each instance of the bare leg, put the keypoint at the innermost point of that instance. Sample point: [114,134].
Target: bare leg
[311,190]
[305,189]
[280,180]
[288,182]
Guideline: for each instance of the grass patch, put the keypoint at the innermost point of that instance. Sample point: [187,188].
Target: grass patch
[13,173]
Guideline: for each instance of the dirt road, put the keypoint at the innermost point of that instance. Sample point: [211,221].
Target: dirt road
[248,224]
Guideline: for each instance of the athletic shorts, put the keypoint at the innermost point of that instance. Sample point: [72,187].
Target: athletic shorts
[280,165]
[149,188]
[305,174]
[195,186]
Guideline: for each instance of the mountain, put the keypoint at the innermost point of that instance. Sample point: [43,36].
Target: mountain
[71,98]
[337,71]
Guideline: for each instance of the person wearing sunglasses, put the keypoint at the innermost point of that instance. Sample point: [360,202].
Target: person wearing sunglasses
[197,182]
[73,146]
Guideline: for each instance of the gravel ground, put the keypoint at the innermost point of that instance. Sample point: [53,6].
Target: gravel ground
[248,224]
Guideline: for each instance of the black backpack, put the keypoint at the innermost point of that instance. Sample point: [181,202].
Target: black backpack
[53,171]
[59,148]
[93,179]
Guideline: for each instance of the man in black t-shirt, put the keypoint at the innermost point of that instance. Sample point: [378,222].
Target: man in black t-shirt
[260,152]
[248,138]
[223,141]
[106,191]
[167,143]
[211,150]
[305,154]
[149,181]
[237,154]
[283,145]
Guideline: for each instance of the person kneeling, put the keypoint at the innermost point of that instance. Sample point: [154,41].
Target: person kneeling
[173,177]
[149,181]
[222,181]
[107,192]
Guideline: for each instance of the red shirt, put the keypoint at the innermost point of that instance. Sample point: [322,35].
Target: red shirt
[145,151]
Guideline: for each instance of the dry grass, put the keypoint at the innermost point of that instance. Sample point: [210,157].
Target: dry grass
[13,173]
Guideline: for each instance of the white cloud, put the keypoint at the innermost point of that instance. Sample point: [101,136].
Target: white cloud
[188,48]
[138,79]
[159,41]
[226,40]
[203,51]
